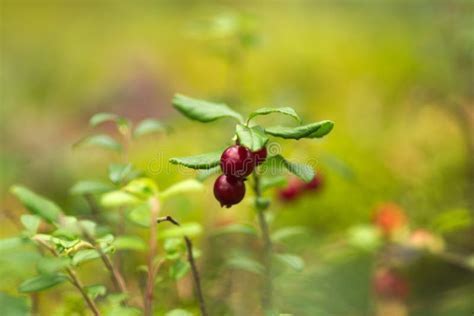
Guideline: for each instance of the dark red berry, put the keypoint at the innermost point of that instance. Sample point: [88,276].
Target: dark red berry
[237,161]
[228,190]
[260,155]
[314,184]
[389,284]
[292,190]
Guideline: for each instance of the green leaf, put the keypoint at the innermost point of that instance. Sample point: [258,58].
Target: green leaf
[100,118]
[142,188]
[13,306]
[451,221]
[51,265]
[179,269]
[12,243]
[267,183]
[236,229]
[245,263]
[41,282]
[90,187]
[287,232]
[313,130]
[100,140]
[203,161]
[202,175]
[148,126]
[292,261]
[119,198]
[120,173]
[187,229]
[96,290]
[365,237]
[268,110]
[31,223]
[253,137]
[186,186]
[129,243]
[85,255]
[203,111]
[178,312]
[140,215]
[303,171]
[37,204]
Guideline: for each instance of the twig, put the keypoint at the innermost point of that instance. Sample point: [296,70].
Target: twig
[267,294]
[194,270]
[73,278]
[116,276]
[148,299]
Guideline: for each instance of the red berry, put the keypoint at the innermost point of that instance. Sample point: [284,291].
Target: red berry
[228,190]
[292,190]
[389,284]
[390,217]
[314,184]
[260,155]
[237,161]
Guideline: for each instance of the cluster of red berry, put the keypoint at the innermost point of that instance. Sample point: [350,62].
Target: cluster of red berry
[237,162]
[296,187]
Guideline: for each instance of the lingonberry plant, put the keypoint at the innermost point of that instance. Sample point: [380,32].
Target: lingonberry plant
[67,242]
[248,156]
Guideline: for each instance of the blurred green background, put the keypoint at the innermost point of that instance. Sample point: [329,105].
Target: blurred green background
[397,77]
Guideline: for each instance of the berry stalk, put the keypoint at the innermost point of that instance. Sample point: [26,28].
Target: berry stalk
[267,291]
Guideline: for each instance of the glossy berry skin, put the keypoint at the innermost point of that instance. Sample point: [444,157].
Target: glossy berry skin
[237,161]
[260,156]
[228,190]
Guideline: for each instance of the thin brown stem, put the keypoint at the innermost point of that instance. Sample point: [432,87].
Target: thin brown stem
[150,285]
[192,263]
[267,292]
[73,278]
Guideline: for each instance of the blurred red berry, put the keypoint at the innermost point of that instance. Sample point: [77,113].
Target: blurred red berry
[389,217]
[389,284]
[315,184]
[292,190]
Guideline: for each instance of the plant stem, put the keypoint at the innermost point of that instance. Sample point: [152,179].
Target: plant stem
[74,280]
[116,276]
[267,292]
[77,283]
[150,285]
[192,263]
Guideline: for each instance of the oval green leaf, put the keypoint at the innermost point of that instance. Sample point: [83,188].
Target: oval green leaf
[203,111]
[268,110]
[203,161]
[100,140]
[37,204]
[313,130]
[253,137]
[41,282]
[148,126]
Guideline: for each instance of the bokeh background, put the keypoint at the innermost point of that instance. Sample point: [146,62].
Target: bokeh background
[397,77]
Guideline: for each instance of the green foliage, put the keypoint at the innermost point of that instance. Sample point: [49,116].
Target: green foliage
[275,181]
[129,243]
[187,229]
[236,229]
[90,187]
[365,237]
[148,126]
[179,269]
[142,188]
[13,306]
[51,265]
[31,223]
[37,204]
[203,161]
[203,174]
[451,221]
[269,110]
[116,199]
[245,263]
[100,118]
[100,140]
[294,262]
[288,232]
[253,137]
[140,215]
[185,186]
[41,282]
[303,171]
[313,130]
[203,111]
[96,290]
[121,173]
[178,312]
